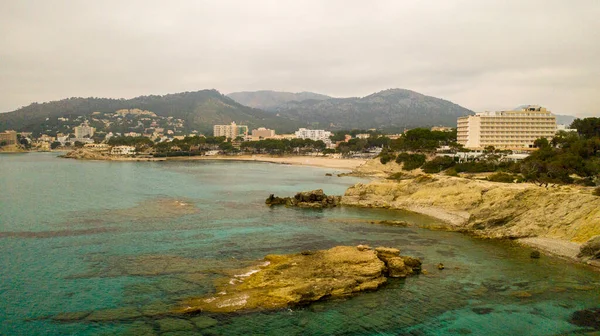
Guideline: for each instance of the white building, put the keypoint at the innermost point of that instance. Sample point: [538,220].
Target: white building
[565,128]
[315,135]
[84,130]
[515,129]
[122,150]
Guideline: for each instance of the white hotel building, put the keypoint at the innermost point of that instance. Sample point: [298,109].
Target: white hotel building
[516,129]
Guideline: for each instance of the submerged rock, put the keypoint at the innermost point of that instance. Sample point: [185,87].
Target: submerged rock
[285,280]
[306,199]
[535,255]
[587,318]
[591,249]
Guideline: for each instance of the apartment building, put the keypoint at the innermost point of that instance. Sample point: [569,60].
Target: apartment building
[263,133]
[8,138]
[516,129]
[84,130]
[230,131]
[315,135]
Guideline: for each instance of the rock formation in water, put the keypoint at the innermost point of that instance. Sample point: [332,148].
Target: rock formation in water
[307,199]
[287,280]
[85,154]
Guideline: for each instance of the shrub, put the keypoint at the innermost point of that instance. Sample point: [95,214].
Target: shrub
[596,191]
[501,177]
[438,164]
[386,157]
[397,176]
[475,167]
[410,161]
[451,172]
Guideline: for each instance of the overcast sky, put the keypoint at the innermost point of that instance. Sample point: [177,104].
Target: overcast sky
[481,54]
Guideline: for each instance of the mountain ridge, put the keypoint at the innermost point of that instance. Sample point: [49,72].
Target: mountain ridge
[201,109]
[269,99]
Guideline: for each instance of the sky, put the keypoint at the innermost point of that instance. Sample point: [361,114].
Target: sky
[483,55]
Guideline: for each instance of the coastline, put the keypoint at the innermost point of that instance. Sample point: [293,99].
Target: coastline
[313,161]
[556,221]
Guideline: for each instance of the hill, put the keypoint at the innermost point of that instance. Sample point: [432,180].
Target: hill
[390,110]
[200,110]
[270,100]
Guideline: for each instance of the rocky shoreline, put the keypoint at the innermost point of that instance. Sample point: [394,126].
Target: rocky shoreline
[556,220]
[307,199]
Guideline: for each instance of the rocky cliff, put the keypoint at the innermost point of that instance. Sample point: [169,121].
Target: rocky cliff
[488,209]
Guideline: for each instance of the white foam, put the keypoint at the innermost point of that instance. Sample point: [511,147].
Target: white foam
[238,301]
[247,274]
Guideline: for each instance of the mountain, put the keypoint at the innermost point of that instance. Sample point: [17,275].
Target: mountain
[269,100]
[390,110]
[200,110]
[564,119]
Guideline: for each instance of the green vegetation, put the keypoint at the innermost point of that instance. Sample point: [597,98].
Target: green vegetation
[410,161]
[273,146]
[587,127]
[438,164]
[502,177]
[596,191]
[424,140]
[385,157]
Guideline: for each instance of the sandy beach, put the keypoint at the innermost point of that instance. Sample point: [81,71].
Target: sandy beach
[325,162]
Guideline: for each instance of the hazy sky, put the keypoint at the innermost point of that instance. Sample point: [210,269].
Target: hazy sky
[482,54]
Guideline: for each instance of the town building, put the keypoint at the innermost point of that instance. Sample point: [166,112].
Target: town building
[230,131]
[8,138]
[441,129]
[263,133]
[46,138]
[122,150]
[363,136]
[97,147]
[564,128]
[84,131]
[315,135]
[517,129]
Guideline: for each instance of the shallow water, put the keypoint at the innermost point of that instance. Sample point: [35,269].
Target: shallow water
[80,236]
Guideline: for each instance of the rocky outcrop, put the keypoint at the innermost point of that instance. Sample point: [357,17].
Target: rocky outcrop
[287,280]
[307,199]
[84,154]
[488,209]
[591,249]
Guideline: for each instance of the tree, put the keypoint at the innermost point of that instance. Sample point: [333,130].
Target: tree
[3,143]
[587,127]
[78,144]
[55,145]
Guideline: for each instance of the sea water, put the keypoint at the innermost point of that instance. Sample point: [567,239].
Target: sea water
[84,236]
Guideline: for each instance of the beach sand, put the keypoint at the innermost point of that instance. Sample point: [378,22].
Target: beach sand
[320,161]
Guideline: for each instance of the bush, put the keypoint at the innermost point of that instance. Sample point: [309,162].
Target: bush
[451,172]
[410,161]
[501,177]
[397,176]
[596,191]
[438,164]
[386,157]
[475,167]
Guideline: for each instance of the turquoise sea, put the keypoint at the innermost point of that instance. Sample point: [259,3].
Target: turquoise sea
[80,236]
